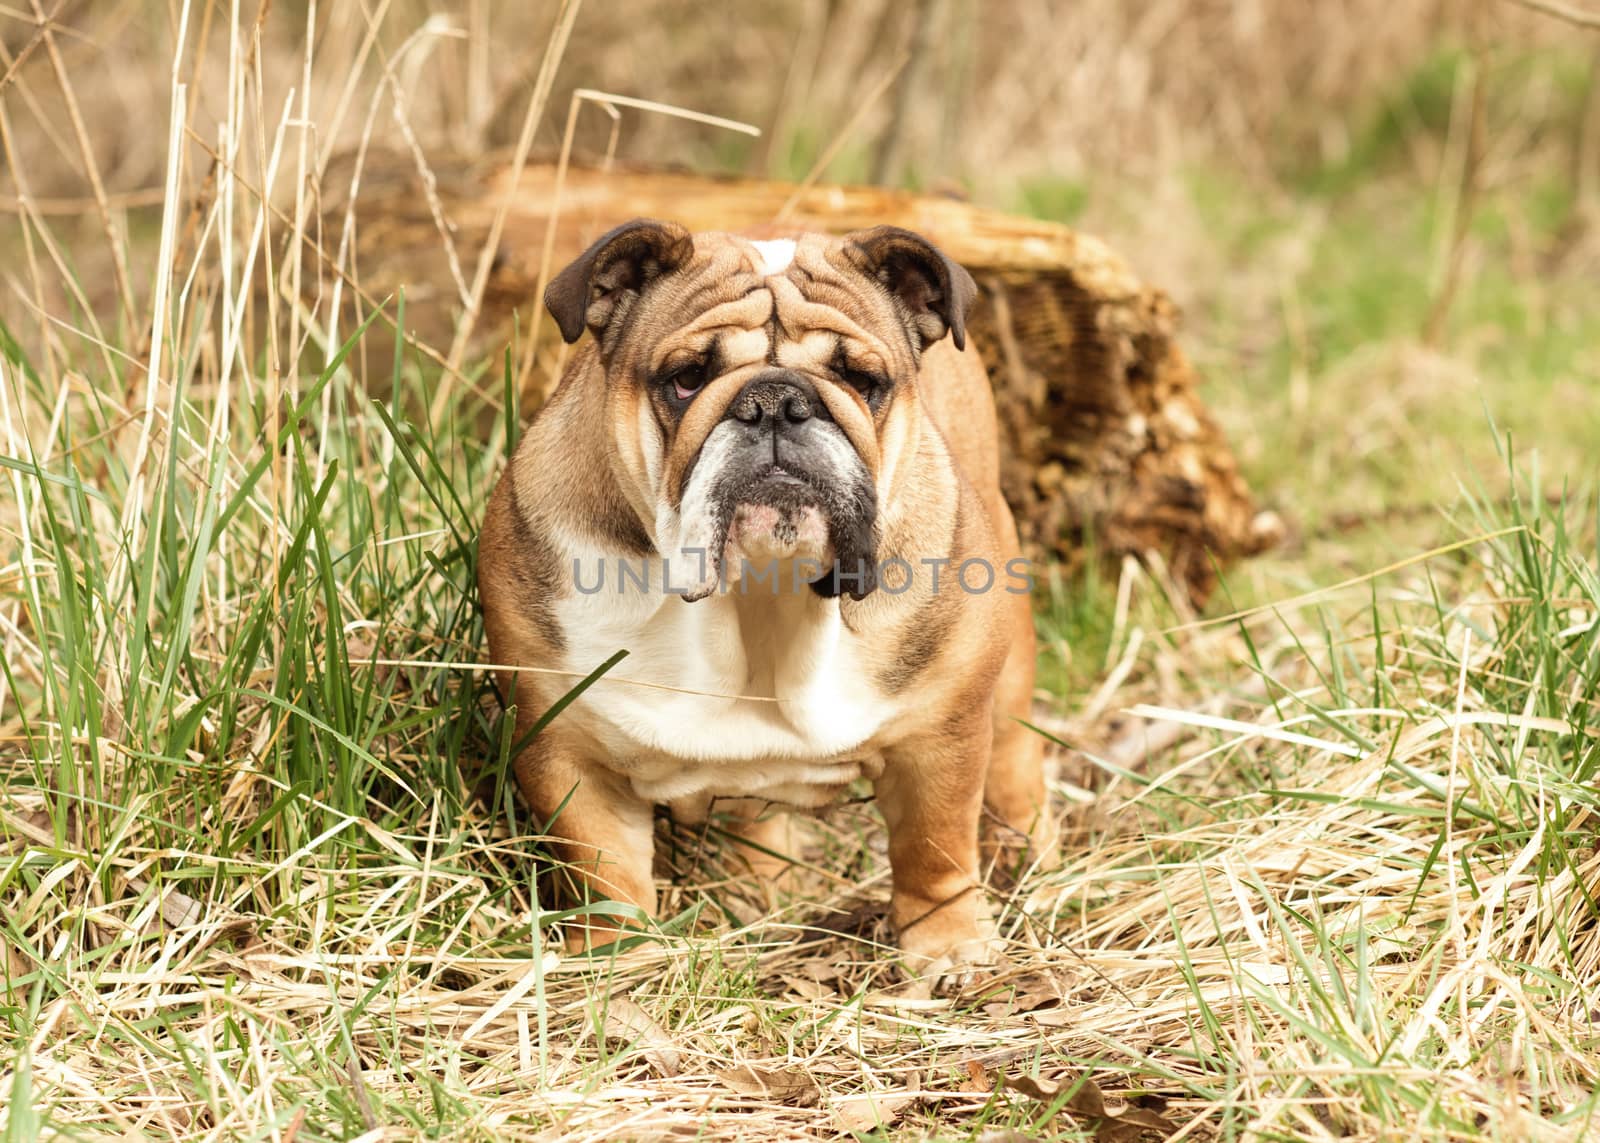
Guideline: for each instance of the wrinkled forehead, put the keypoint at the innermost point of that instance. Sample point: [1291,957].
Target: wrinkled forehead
[788,289]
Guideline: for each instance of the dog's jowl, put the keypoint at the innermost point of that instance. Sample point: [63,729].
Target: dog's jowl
[771,477]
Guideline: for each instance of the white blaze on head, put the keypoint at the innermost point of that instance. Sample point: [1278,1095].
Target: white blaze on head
[775,256]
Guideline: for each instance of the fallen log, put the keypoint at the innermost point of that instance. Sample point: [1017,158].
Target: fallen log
[1107,446]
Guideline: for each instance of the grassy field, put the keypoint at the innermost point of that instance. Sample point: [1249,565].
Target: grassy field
[245,891]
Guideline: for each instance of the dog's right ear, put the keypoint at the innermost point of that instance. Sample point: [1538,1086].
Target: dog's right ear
[607,278]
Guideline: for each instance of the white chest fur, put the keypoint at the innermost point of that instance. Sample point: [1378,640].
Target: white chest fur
[784,705]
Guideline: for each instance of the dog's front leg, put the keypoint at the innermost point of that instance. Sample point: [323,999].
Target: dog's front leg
[931,794]
[601,830]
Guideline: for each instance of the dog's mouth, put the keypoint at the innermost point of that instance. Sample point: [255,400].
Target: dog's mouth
[780,526]
[776,513]
[781,476]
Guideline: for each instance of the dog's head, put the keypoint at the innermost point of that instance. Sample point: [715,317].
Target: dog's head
[761,396]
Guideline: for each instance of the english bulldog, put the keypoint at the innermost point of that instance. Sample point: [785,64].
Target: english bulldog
[771,477]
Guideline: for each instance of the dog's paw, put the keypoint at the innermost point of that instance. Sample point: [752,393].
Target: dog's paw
[951,968]
[605,933]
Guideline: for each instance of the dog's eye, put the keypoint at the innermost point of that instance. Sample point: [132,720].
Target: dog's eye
[688,380]
[869,385]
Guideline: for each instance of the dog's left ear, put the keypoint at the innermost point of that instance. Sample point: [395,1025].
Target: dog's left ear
[935,292]
[599,287]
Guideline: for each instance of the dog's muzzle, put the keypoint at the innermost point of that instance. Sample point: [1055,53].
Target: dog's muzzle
[778,479]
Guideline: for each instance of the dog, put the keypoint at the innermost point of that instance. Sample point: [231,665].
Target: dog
[771,477]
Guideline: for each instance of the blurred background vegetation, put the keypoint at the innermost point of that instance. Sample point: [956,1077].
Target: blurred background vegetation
[1378,217]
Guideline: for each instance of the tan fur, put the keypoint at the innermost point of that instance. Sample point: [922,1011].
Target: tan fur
[948,672]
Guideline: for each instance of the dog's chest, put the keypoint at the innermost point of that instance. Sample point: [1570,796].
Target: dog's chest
[745,695]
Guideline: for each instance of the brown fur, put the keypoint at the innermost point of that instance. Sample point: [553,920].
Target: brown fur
[955,669]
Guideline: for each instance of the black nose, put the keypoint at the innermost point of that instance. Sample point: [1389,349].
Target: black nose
[776,398]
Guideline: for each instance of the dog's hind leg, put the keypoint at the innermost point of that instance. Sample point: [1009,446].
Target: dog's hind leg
[764,837]
[1016,804]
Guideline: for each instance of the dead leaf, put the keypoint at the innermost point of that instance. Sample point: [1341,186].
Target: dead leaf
[181,910]
[786,1085]
[1124,1125]
[871,1110]
[874,1109]
[627,1023]
[1151,1101]
[807,987]
[1038,993]
[1029,993]
[823,970]
[31,824]
[17,966]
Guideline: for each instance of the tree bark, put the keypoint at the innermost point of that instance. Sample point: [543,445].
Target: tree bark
[1106,445]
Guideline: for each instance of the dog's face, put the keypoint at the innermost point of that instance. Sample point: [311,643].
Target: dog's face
[761,396]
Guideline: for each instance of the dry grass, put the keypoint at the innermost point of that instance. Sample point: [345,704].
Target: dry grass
[1012,88]
[1388,935]
[245,892]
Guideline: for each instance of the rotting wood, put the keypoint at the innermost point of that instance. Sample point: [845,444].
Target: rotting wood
[1106,443]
